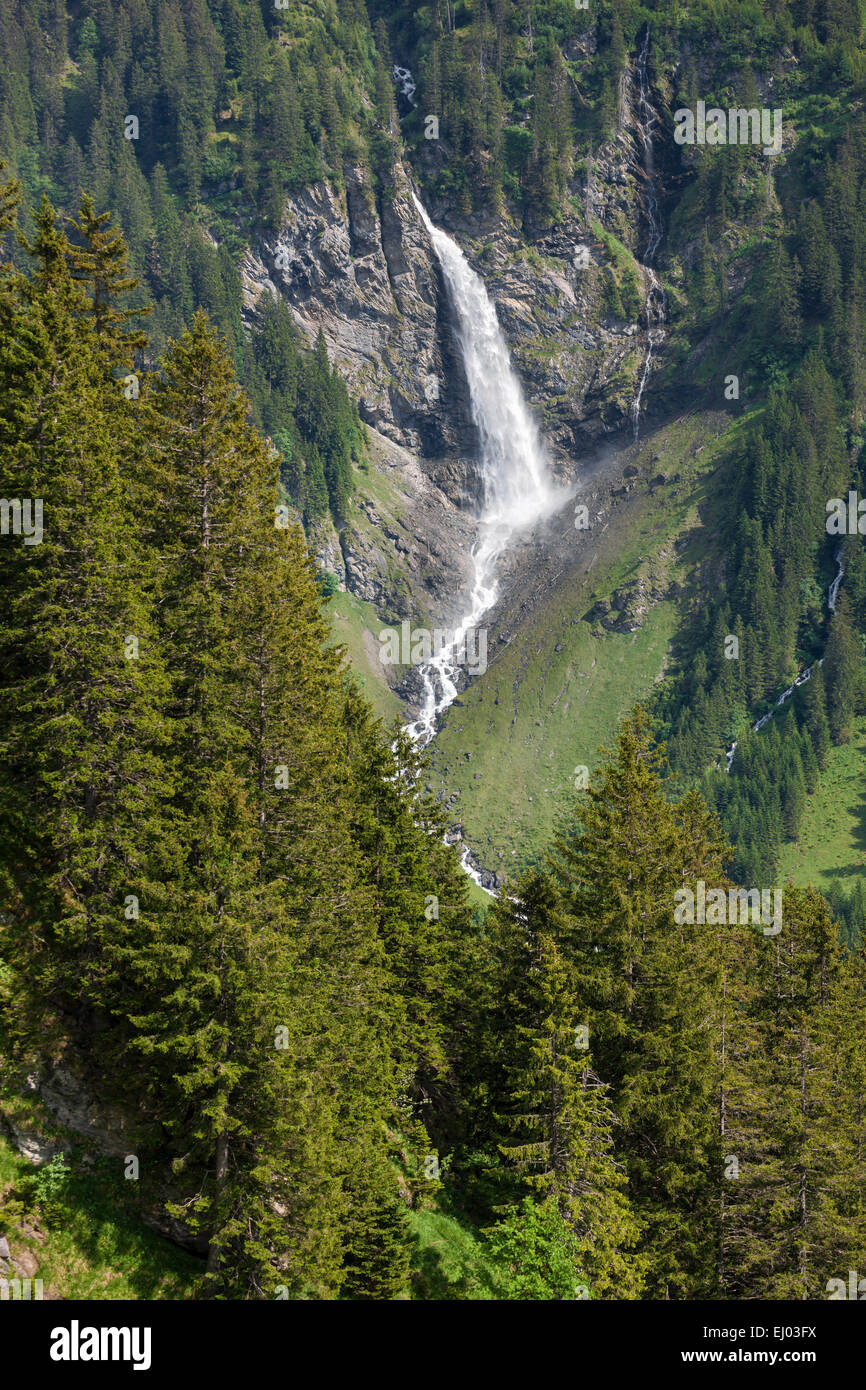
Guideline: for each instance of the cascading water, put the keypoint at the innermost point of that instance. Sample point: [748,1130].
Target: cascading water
[514,468]
[406,82]
[834,587]
[517,490]
[832,596]
[655,305]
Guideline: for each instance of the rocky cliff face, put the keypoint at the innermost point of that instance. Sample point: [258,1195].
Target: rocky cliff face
[365,273]
[361,267]
[60,1107]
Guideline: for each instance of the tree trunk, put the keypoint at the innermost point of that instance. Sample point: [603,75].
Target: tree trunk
[222,1167]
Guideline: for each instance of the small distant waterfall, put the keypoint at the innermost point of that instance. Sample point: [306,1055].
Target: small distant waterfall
[834,587]
[517,490]
[406,82]
[832,596]
[655,305]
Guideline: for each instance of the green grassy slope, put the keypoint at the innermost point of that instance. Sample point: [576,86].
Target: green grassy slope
[88,1241]
[512,761]
[449,1261]
[830,849]
[356,625]
[512,742]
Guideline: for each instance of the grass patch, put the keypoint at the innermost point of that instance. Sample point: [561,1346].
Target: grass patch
[449,1260]
[91,1243]
[830,849]
[356,625]
[510,749]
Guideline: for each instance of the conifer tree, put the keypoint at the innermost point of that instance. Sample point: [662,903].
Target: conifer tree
[648,985]
[793,1215]
[843,673]
[556,1119]
[815,714]
[254,983]
[101,263]
[780,295]
[82,676]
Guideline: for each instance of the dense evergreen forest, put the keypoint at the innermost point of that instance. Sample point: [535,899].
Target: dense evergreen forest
[236,105]
[220,889]
[224,884]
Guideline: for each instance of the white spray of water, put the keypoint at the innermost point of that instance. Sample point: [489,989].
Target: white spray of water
[406,82]
[516,487]
[834,587]
[517,490]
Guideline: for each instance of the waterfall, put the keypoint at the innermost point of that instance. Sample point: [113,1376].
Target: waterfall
[832,596]
[516,486]
[406,82]
[834,587]
[655,307]
[517,490]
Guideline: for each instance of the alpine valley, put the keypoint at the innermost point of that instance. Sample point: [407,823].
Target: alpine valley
[340,947]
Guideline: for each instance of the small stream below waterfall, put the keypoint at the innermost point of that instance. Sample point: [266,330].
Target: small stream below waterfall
[832,595]
[655,306]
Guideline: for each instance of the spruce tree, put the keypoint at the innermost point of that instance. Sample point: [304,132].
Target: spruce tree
[82,684]
[555,1116]
[815,714]
[100,263]
[793,1216]
[843,673]
[256,983]
[647,983]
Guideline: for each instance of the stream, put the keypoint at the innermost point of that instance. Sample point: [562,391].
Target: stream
[655,306]
[832,595]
